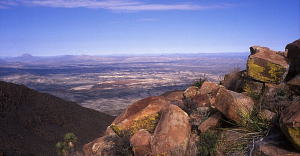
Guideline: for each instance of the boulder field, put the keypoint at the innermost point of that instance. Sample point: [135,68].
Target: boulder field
[250,112]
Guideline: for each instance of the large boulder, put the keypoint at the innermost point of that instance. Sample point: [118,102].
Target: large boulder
[171,136]
[140,142]
[293,55]
[143,114]
[290,123]
[206,95]
[234,106]
[266,65]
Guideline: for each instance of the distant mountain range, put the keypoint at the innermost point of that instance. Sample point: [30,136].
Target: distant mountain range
[27,58]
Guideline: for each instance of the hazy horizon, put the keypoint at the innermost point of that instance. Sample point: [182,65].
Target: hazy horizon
[123,54]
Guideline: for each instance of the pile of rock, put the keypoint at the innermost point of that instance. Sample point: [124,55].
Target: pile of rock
[169,124]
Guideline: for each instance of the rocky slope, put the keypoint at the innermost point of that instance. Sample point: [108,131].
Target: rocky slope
[31,123]
[251,112]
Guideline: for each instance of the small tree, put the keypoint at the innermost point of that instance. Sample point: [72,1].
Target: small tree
[70,139]
[198,83]
[67,146]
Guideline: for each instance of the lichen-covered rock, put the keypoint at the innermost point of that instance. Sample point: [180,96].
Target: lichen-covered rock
[266,65]
[140,142]
[212,122]
[290,123]
[102,146]
[234,106]
[252,87]
[293,55]
[171,136]
[143,114]
[190,92]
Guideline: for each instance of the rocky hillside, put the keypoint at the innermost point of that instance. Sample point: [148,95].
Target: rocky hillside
[31,123]
[251,112]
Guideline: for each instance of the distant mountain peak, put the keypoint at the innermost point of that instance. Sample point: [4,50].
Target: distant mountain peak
[26,55]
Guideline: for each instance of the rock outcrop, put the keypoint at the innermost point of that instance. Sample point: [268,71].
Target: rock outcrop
[266,65]
[169,134]
[238,117]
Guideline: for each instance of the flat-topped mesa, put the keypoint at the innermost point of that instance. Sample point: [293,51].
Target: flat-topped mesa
[266,65]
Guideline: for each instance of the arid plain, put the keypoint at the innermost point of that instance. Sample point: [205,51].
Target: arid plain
[110,83]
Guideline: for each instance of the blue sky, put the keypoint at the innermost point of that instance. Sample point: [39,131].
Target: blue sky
[96,27]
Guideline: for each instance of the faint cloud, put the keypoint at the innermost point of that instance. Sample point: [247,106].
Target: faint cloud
[115,5]
[148,19]
[5,4]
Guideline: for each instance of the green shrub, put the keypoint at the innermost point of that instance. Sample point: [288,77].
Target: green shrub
[70,137]
[200,81]
[65,147]
[207,144]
